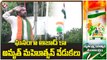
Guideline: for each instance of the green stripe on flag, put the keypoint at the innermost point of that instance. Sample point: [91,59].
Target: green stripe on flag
[96,15]
[59,29]
[64,12]
[28,30]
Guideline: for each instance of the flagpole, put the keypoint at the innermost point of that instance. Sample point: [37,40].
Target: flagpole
[47,5]
[35,10]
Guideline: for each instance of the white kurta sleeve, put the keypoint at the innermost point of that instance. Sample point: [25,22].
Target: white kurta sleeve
[8,17]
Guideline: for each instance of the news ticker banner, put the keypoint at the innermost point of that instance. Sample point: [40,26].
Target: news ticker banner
[93,45]
[41,50]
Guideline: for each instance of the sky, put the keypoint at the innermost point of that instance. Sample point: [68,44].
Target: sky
[48,23]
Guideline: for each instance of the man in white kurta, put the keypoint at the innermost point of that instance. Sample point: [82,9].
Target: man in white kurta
[14,22]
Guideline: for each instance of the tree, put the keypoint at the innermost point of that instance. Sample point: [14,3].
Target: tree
[74,35]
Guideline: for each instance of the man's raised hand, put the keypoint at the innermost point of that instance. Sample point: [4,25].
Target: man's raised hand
[17,8]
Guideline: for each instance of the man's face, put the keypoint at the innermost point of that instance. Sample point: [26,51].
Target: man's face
[23,12]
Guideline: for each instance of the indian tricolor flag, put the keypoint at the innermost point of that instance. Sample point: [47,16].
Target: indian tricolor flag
[96,13]
[63,11]
[96,8]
